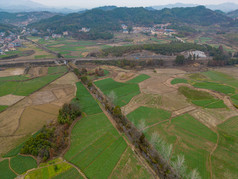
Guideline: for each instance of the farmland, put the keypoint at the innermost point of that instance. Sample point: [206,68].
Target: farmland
[100,146]
[121,93]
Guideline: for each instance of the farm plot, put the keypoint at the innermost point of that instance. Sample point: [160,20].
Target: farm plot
[6,172]
[25,88]
[56,168]
[178,80]
[201,98]
[189,138]
[57,69]
[225,159]
[144,116]
[215,87]
[21,164]
[86,101]
[139,79]
[129,167]
[96,146]
[120,93]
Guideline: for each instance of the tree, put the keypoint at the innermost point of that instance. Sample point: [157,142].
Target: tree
[180,60]
[130,29]
[59,55]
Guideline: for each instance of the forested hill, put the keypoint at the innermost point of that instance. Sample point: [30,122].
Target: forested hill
[19,18]
[7,27]
[108,20]
[233,14]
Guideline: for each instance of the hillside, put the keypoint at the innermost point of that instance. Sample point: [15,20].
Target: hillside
[110,20]
[6,27]
[24,17]
[233,14]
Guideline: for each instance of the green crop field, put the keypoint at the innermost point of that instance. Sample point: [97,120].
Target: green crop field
[5,171]
[96,146]
[215,87]
[194,140]
[25,88]
[129,167]
[225,158]
[57,69]
[122,92]
[139,79]
[147,115]
[54,169]
[201,98]
[86,101]
[13,78]
[100,146]
[72,173]
[178,80]
[21,164]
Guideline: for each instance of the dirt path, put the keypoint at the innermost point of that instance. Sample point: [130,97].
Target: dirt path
[211,153]
[83,175]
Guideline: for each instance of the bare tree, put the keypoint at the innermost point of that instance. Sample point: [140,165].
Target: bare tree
[112,97]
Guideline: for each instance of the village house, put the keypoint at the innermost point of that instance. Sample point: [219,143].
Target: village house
[84,29]
[66,33]
[55,36]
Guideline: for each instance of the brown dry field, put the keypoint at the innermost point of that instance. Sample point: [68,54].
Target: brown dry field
[30,114]
[38,71]
[10,99]
[12,72]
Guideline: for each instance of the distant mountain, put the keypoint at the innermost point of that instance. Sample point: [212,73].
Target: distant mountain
[233,14]
[15,6]
[225,7]
[110,20]
[170,6]
[24,18]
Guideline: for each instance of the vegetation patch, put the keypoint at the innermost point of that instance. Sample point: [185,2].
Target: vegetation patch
[6,172]
[2,108]
[100,146]
[144,116]
[192,94]
[178,80]
[57,69]
[21,164]
[54,169]
[26,87]
[119,93]
[139,79]
[215,87]
[86,101]
[129,167]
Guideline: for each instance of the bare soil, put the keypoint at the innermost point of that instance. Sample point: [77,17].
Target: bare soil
[30,114]
[10,99]
[12,72]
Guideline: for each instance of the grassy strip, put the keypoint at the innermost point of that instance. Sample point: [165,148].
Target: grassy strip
[178,80]
[2,108]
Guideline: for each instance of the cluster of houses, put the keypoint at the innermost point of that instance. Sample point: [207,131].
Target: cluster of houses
[158,29]
[9,42]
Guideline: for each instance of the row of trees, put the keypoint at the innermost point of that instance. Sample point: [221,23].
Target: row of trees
[164,49]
